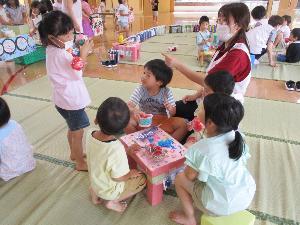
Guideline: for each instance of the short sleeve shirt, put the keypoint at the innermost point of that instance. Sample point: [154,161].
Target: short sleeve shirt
[125,10]
[106,160]
[16,14]
[152,104]
[201,36]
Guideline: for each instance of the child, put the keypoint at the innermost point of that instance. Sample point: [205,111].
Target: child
[123,19]
[16,12]
[259,16]
[16,156]
[57,5]
[154,4]
[261,39]
[70,95]
[110,177]
[284,32]
[221,82]
[131,18]
[37,9]
[203,38]
[216,178]
[293,51]
[153,97]
[86,22]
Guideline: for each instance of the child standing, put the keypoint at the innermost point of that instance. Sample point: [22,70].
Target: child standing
[154,4]
[102,9]
[86,23]
[123,19]
[16,12]
[16,156]
[293,51]
[216,178]
[111,179]
[153,97]
[70,94]
[203,38]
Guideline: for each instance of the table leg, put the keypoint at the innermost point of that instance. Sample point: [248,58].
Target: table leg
[154,193]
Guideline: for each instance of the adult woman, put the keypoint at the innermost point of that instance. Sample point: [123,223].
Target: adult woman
[16,12]
[232,56]
[74,9]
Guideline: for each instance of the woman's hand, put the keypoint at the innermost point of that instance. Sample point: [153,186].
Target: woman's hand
[189,98]
[171,61]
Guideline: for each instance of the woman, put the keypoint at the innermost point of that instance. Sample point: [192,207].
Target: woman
[74,9]
[16,12]
[232,56]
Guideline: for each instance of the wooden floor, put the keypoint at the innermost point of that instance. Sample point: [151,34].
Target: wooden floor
[13,76]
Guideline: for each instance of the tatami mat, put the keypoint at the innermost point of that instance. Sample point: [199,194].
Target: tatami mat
[56,194]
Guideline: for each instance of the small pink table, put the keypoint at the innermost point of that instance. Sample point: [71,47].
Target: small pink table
[156,169]
[128,52]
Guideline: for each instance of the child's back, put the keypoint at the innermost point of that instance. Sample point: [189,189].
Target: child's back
[106,160]
[16,156]
[229,185]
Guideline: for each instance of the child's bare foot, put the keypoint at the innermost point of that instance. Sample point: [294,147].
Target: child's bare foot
[81,167]
[95,199]
[73,158]
[180,218]
[116,206]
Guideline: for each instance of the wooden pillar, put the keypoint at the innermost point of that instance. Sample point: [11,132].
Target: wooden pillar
[287,7]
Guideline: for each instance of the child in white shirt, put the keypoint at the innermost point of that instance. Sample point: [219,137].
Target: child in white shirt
[16,157]
[284,32]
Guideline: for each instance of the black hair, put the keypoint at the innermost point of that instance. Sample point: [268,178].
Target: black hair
[160,70]
[54,23]
[120,1]
[4,112]
[226,113]
[258,12]
[241,16]
[3,2]
[288,19]
[113,116]
[275,20]
[203,19]
[220,82]
[17,3]
[47,4]
[39,5]
[296,33]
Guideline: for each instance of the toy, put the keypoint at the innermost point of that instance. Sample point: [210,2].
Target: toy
[172,48]
[120,38]
[145,120]
[77,63]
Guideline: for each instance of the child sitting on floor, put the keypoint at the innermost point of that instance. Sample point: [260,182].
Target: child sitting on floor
[284,32]
[153,97]
[293,51]
[110,177]
[203,38]
[64,70]
[16,156]
[216,178]
[219,82]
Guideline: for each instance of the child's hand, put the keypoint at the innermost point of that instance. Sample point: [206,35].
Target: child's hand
[171,109]
[133,148]
[134,173]
[86,48]
[189,98]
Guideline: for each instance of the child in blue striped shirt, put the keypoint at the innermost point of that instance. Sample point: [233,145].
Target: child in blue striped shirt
[153,97]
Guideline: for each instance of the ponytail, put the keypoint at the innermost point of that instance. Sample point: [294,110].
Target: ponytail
[236,148]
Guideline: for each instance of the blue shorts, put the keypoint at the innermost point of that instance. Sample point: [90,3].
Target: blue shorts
[76,119]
